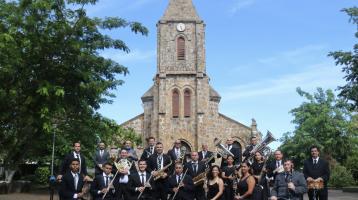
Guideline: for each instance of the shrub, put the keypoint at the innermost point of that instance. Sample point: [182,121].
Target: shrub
[352,165]
[42,175]
[340,177]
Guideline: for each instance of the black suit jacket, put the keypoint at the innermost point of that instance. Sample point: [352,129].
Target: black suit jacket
[200,168]
[271,167]
[247,151]
[99,184]
[185,192]
[152,163]
[146,153]
[237,157]
[67,186]
[65,167]
[320,170]
[98,159]
[172,154]
[207,155]
[134,182]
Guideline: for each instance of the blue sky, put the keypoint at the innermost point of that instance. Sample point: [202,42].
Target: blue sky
[257,53]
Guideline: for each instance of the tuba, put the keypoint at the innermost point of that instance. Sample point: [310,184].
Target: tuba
[262,147]
[221,149]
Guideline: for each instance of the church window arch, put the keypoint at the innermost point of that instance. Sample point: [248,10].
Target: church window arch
[175,103]
[187,103]
[180,48]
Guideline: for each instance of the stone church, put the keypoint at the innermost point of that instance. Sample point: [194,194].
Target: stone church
[181,104]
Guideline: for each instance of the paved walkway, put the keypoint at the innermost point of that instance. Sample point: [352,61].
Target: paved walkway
[333,195]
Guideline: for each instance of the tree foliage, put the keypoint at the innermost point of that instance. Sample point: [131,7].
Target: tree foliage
[323,120]
[349,61]
[53,78]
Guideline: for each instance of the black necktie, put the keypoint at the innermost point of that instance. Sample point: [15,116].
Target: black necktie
[194,168]
[151,150]
[106,181]
[142,179]
[178,179]
[75,179]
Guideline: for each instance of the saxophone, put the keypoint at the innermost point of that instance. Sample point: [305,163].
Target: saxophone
[200,178]
[160,173]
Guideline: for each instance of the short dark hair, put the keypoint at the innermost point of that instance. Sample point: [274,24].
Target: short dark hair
[142,160]
[107,163]
[159,143]
[74,159]
[151,137]
[77,142]
[314,147]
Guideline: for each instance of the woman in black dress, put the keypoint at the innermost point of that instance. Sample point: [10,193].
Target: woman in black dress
[246,184]
[228,175]
[259,172]
[215,184]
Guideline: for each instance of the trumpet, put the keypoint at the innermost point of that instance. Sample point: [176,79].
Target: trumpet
[221,149]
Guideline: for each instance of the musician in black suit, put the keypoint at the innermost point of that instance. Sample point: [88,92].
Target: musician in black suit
[181,184]
[275,166]
[248,149]
[195,167]
[149,150]
[141,182]
[234,150]
[71,182]
[205,154]
[127,168]
[315,168]
[101,184]
[176,153]
[101,156]
[156,162]
[75,154]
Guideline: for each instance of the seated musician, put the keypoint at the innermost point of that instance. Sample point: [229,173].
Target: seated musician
[180,185]
[289,185]
[196,170]
[103,185]
[316,171]
[139,184]
[159,165]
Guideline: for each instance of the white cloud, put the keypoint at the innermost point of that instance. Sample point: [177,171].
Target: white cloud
[240,4]
[135,55]
[324,75]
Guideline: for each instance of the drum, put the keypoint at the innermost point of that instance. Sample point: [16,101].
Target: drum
[315,184]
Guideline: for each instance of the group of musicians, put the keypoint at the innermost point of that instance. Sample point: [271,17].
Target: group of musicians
[192,175]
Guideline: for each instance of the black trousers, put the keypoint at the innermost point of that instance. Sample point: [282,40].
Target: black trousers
[160,190]
[199,193]
[318,194]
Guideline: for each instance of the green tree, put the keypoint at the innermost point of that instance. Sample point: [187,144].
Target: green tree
[349,61]
[323,120]
[53,77]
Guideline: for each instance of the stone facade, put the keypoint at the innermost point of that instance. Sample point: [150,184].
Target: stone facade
[189,74]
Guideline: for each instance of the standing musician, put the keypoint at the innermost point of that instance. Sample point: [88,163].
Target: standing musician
[205,154]
[234,150]
[196,168]
[316,170]
[149,150]
[102,184]
[101,156]
[259,172]
[72,182]
[228,175]
[289,185]
[180,185]
[126,167]
[276,166]
[140,183]
[156,165]
[131,152]
[249,148]
[76,153]
[245,184]
[175,153]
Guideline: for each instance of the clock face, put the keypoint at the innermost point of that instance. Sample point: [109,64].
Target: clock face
[181,27]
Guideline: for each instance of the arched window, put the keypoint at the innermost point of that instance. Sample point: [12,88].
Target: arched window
[187,103]
[175,103]
[181,48]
